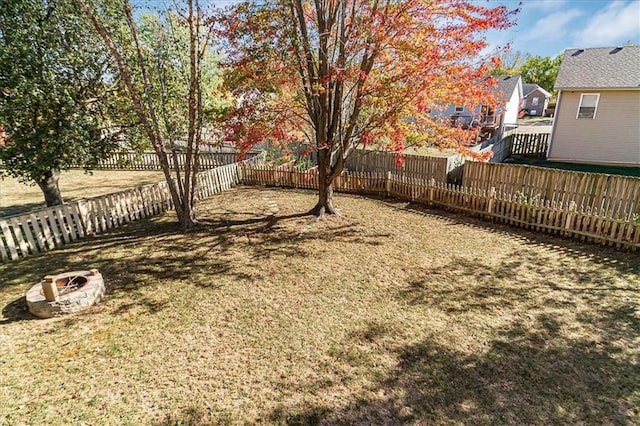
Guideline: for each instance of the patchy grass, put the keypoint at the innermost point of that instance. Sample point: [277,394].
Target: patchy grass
[528,120]
[386,315]
[17,197]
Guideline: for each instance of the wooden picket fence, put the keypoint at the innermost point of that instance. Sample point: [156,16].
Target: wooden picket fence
[532,145]
[564,217]
[601,209]
[150,161]
[35,232]
[439,168]
[594,191]
[55,226]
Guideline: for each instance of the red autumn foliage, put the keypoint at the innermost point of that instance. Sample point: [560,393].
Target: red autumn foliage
[347,73]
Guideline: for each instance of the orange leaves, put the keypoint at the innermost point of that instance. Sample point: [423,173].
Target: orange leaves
[348,71]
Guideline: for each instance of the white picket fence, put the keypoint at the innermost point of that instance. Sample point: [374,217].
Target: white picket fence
[35,232]
[55,226]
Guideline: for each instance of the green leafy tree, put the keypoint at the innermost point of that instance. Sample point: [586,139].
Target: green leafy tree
[58,93]
[164,81]
[509,62]
[541,71]
[165,44]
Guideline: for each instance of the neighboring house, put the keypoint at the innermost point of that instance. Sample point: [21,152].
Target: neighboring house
[511,93]
[597,117]
[492,119]
[536,99]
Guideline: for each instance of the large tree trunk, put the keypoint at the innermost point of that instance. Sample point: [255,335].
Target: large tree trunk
[146,112]
[187,216]
[50,189]
[326,175]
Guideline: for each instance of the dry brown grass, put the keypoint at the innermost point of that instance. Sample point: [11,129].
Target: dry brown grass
[17,197]
[386,315]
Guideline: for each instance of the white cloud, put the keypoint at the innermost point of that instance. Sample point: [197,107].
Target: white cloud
[552,26]
[616,23]
[530,28]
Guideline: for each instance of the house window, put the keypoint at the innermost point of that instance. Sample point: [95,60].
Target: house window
[588,105]
[534,101]
[459,108]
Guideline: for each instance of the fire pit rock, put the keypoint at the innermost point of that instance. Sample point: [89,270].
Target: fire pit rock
[65,293]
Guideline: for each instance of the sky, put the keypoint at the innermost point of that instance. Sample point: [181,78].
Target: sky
[548,27]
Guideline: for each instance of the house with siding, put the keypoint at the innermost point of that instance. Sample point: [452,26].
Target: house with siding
[492,119]
[536,99]
[597,117]
[510,93]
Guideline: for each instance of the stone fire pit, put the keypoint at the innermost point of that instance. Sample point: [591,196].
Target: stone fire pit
[65,293]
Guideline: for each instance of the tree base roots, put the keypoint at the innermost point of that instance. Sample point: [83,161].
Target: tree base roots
[322,210]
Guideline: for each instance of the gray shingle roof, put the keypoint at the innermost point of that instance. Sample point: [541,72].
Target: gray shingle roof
[527,88]
[603,67]
[506,85]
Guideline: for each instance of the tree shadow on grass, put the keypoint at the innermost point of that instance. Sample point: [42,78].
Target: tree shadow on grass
[562,349]
[275,235]
[16,311]
[603,292]
[624,261]
[526,375]
[9,211]
[152,251]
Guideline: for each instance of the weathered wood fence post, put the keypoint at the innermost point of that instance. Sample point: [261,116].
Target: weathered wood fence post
[388,183]
[569,222]
[432,190]
[492,197]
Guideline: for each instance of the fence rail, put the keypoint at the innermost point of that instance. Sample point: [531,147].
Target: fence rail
[561,217]
[595,191]
[150,160]
[533,145]
[55,226]
[439,168]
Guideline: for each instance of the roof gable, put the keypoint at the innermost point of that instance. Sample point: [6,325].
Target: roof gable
[507,84]
[528,88]
[603,67]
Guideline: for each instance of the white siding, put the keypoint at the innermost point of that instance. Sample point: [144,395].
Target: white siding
[511,109]
[613,137]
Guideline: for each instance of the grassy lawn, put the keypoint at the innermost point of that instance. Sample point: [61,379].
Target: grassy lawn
[387,315]
[528,120]
[17,198]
